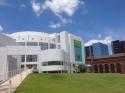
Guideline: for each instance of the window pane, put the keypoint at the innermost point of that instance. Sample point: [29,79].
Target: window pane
[21,43]
[43,45]
[52,63]
[22,58]
[78,50]
[52,46]
[58,38]
[32,44]
[31,58]
[59,47]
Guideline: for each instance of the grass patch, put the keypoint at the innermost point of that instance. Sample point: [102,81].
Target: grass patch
[74,83]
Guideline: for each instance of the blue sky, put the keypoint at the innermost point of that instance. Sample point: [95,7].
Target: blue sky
[90,19]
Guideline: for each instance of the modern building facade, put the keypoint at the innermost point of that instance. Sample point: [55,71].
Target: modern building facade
[44,52]
[118,47]
[97,50]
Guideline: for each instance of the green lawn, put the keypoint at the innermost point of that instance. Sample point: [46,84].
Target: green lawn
[75,83]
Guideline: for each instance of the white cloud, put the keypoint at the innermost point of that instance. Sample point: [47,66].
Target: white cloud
[63,6]
[106,40]
[22,5]
[36,7]
[58,7]
[1,28]
[63,22]
[56,25]
[99,36]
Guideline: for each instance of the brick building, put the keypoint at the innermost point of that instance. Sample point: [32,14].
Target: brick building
[108,64]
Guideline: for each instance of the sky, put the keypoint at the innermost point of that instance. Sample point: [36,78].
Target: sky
[93,20]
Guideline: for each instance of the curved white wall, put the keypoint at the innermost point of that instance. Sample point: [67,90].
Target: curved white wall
[33,36]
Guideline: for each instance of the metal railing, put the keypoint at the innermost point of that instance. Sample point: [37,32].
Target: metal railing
[12,79]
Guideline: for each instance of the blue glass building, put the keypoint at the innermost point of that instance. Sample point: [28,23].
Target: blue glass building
[100,50]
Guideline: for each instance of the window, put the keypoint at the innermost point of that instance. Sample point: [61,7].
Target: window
[52,46]
[22,58]
[43,45]
[53,40]
[78,50]
[52,63]
[44,64]
[12,62]
[59,47]
[32,44]
[21,43]
[58,38]
[22,38]
[31,58]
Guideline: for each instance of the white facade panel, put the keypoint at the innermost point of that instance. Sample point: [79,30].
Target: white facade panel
[52,68]
[3,64]
[52,55]
[22,50]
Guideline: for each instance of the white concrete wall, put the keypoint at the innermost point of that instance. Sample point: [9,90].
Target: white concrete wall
[5,40]
[52,68]
[51,55]
[3,64]
[21,50]
[64,42]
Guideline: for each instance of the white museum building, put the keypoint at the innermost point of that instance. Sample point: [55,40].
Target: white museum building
[42,51]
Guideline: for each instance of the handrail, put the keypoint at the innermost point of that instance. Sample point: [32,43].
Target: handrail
[13,80]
